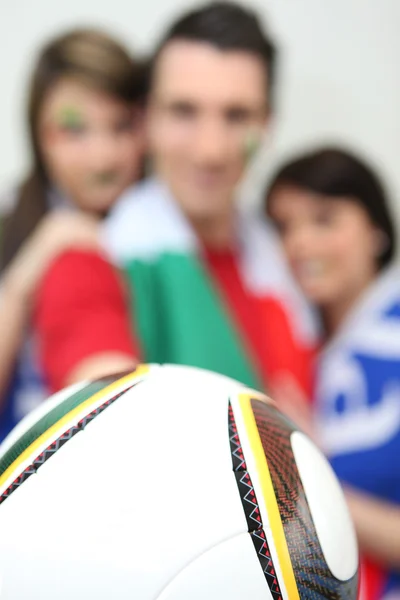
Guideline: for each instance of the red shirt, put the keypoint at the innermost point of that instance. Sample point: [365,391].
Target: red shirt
[82,311]
[263,323]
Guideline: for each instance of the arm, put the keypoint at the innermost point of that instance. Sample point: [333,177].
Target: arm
[377,526]
[82,321]
[100,365]
[21,278]
[14,313]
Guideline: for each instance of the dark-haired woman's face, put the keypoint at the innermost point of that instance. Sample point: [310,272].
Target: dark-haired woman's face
[330,243]
[91,143]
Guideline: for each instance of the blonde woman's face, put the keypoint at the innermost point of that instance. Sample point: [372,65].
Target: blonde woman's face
[91,144]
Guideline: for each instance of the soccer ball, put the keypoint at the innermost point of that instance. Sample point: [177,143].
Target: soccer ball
[169,483]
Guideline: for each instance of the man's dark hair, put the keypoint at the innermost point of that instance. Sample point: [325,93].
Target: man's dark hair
[337,173]
[227,26]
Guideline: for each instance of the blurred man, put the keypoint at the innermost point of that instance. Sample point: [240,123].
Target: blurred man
[207,282]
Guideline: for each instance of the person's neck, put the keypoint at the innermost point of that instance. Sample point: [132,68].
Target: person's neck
[335,313]
[215,233]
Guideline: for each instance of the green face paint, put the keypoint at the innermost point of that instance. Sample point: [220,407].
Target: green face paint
[251,144]
[103,178]
[71,118]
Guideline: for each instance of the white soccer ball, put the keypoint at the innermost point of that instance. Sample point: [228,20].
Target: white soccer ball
[170,483]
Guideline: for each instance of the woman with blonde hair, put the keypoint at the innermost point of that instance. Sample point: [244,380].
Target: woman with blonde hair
[85,125]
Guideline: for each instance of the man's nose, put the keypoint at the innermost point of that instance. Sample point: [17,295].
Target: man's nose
[211,144]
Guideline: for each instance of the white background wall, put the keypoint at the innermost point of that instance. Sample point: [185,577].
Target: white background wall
[339,81]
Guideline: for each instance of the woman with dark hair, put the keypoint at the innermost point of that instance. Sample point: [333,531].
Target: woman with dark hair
[334,222]
[85,123]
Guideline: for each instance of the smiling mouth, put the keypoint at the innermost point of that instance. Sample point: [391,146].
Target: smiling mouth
[311,268]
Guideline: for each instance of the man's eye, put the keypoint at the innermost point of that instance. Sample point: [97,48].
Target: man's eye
[183,111]
[237,115]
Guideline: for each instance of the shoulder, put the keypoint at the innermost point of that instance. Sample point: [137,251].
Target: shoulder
[382,300]
[379,325]
[78,261]
[79,274]
[390,295]
[373,327]
[145,222]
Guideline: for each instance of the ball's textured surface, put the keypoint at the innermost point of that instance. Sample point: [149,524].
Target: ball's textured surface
[170,483]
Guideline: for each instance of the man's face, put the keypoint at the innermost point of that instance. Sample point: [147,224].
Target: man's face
[206,107]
